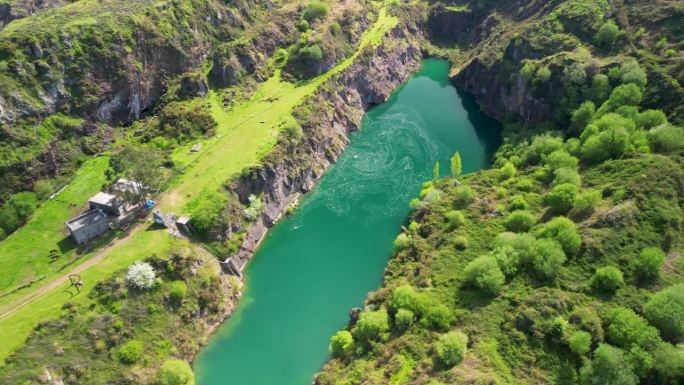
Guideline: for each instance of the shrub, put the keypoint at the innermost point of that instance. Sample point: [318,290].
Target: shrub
[607,34]
[666,138]
[631,72]
[438,317]
[43,189]
[542,145]
[669,362]
[370,325]
[341,344]
[315,11]
[609,366]
[460,242]
[608,144]
[463,196]
[580,342]
[403,320]
[607,279]
[561,197]
[647,265]
[567,175]
[563,231]
[547,258]
[543,75]
[406,297]
[140,275]
[130,352]
[520,221]
[523,244]
[177,291]
[451,348]
[586,202]
[508,259]
[254,208]
[176,372]
[455,218]
[518,203]
[626,329]
[484,273]
[401,242]
[665,310]
[507,171]
[302,26]
[582,116]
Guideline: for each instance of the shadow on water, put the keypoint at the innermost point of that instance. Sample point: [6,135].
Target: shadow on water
[488,129]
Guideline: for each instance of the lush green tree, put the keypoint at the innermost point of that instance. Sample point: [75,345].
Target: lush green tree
[582,116]
[547,259]
[341,344]
[607,34]
[648,263]
[563,231]
[665,310]
[371,325]
[528,71]
[507,258]
[2,234]
[129,352]
[206,210]
[455,219]
[456,166]
[561,197]
[666,138]
[650,118]
[518,203]
[316,10]
[23,204]
[600,88]
[575,74]
[406,297]
[522,243]
[612,143]
[403,319]
[624,95]
[520,221]
[451,348]
[609,366]
[176,372]
[484,273]
[543,75]
[507,171]
[580,342]
[631,72]
[541,145]
[139,164]
[567,175]
[608,279]
[626,329]
[669,363]
[560,159]
[9,220]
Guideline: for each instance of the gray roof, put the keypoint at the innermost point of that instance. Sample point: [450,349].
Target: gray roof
[103,199]
[183,220]
[86,219]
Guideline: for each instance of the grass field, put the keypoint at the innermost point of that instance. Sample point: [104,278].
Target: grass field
[24,254]
[241,141]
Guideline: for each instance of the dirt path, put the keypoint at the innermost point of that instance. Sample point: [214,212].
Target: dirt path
[12,307]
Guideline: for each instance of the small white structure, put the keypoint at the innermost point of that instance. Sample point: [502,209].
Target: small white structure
[108,203]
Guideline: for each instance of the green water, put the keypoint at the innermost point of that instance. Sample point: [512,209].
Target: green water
[317,264]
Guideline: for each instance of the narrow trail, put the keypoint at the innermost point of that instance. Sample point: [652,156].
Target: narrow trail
[12,307]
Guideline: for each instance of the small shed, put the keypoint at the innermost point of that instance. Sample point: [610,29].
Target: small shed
[88,225]
[196,148]
[183,223]
[108,203]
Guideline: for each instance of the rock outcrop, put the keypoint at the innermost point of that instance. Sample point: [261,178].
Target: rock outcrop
[336,110]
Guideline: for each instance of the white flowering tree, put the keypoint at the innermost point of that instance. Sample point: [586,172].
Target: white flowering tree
[140,275]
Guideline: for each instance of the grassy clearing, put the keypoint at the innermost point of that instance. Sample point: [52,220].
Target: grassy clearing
[24,254]
[241,141]
[18,325]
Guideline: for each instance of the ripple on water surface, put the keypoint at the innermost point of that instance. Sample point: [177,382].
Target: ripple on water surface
[315,265]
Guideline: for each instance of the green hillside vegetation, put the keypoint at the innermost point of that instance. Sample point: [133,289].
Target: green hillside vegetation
[124,332]
[540,277]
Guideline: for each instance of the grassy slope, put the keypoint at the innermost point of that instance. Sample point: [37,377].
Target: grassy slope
[241,143]
[24,254]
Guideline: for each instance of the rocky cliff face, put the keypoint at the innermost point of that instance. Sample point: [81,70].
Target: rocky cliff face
[336,110]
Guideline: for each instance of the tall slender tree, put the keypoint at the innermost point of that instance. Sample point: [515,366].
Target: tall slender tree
[456,165]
